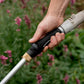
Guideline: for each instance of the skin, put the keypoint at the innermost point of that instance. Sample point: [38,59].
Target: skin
[53,18]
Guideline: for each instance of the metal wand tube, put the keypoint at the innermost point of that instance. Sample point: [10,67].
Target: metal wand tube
[13,71]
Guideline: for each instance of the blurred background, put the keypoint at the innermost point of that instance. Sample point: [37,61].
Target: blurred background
[62,65]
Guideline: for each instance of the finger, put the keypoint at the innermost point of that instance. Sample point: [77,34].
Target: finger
[53,42]
[58,37]
[37,35]
[62,36]
[45,49]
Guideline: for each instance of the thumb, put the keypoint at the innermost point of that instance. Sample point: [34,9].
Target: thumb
[38,34]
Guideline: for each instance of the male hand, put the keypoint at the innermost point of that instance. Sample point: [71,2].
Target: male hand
[46,25]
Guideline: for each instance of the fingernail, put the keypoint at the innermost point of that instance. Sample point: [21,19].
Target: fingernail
[31,40]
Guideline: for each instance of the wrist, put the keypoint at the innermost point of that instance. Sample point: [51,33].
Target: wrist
[55,14]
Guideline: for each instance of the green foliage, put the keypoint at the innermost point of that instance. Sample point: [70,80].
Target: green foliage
[70,62]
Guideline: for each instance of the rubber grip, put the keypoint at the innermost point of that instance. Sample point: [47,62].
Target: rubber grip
[46,40]
[38,47]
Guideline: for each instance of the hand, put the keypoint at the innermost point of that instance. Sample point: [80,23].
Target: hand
[46,25]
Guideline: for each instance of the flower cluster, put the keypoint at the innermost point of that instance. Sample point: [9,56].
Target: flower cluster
[8,11]
[51,58]
[9,55]
[27,21]
[1,1]
[4,58]
[76,34]
[39,78]
[24,3]
[73,2]
[18,21]
[77,81]
[66,78]
[38,63]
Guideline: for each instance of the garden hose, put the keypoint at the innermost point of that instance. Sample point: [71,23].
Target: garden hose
[38,46]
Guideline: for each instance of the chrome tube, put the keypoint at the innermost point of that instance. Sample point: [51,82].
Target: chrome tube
[13,71]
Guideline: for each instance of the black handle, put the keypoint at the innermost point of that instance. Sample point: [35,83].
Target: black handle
[38,47]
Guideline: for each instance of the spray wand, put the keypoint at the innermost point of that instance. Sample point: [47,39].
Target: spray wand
[38,46]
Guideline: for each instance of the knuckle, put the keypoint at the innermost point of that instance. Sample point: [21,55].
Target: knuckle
[42,27]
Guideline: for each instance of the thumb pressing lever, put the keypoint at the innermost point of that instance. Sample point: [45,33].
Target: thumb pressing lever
[66,27]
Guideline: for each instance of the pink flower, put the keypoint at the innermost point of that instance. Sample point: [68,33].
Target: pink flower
[27,21]
[38,62]
[39,78]
[10,60]
[43,9]
[8,11]
[1,1]
[24,3]
[77,81]
[65,48]
[66,78]
[17,29]
[50,64]
[76,34]
[51,57]
[18,21]
[3,59]
[9,53]
[73,2]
